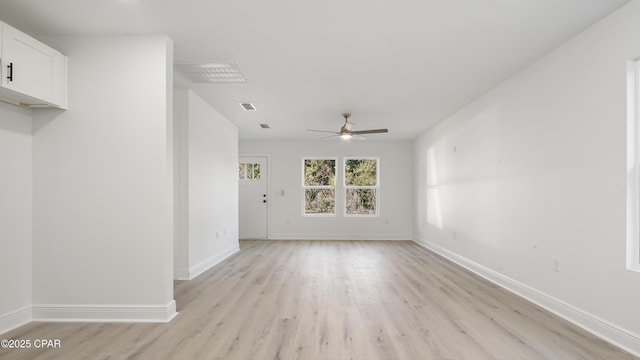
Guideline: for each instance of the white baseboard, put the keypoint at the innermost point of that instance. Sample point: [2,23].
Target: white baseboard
[104,313]
[15,319]
[181,274]
[307,236]
[604,329]
[195,270]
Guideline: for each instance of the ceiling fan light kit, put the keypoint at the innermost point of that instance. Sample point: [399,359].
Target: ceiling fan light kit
[346,132]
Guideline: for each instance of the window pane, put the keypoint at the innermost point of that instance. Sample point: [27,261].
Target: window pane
[361,202]
[319,172]
[319,201]
[241,171]
[360,172]
[249,171]
[256,171]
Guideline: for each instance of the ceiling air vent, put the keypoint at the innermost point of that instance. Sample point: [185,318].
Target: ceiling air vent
[225,71]
[264,126]
[248,106]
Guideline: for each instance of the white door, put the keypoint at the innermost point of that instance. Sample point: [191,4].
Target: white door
[254,197]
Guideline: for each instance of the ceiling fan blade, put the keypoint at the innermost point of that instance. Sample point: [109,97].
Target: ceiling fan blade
[324,131]
[372,131]
[330,137]
[346,131]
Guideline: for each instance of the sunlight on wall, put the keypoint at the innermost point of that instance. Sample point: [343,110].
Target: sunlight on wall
[434,210]
[432,169]
[633,165]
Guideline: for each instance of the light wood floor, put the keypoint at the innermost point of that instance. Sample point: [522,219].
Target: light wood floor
[331,300]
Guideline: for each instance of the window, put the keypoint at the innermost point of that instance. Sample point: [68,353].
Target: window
[319,186]
[361,186]
[248,171]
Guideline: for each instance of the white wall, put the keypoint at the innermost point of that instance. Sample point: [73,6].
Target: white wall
[286,220]
[102,226]
[181,184]
[15,216]
[207,161]
[538,173]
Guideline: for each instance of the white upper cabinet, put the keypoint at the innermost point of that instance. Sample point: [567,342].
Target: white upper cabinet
[33,74]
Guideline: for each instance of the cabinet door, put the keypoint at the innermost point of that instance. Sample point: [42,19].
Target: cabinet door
[28,66]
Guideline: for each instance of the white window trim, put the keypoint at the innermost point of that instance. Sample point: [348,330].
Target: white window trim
[305,187]
[633,165]
[346,187]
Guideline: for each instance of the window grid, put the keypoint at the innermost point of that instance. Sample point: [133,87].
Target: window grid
[366,196]
[248,171]
[319,188]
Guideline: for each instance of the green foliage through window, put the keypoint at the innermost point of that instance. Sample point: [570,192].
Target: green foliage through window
[319,186]
[360,172]
[248,171]
[361,201]
[319,201]
[361,186]
[319,172]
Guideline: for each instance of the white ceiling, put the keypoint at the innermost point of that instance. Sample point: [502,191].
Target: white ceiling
[404,64]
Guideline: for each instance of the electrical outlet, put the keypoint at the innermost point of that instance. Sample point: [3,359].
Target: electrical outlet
[556,265]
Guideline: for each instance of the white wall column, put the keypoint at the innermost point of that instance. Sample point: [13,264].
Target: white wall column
[102,231]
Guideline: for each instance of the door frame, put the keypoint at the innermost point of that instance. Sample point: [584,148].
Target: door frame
[268,164]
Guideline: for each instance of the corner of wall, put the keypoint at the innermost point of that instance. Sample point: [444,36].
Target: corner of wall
[212,261]
[15,319]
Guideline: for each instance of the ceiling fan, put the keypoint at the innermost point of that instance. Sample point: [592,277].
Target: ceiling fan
[346,132]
